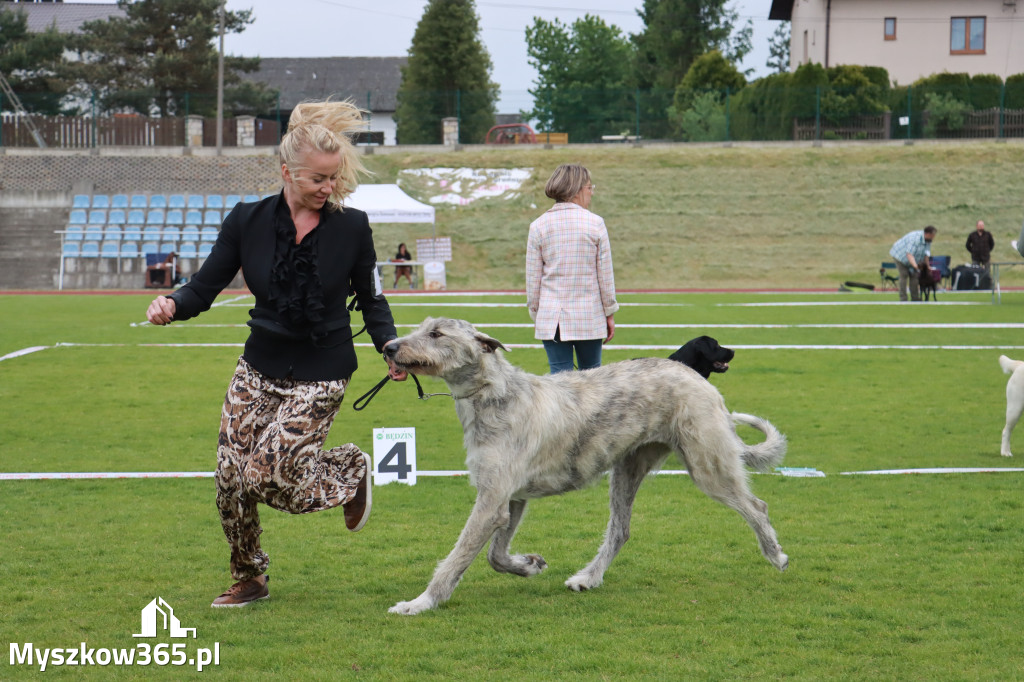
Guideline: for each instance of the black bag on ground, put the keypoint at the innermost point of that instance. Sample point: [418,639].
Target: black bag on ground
[970,278]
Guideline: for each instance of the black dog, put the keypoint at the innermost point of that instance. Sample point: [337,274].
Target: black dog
[704,356]
[928,279]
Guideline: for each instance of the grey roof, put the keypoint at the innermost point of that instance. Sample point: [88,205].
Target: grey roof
[68,15]
[371,82]
[782,10]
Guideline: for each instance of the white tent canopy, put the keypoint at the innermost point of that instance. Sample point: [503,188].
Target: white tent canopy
[389,204]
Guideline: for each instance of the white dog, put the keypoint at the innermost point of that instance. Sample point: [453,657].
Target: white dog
[1014,399]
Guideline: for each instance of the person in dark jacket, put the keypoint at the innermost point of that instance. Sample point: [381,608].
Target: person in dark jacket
[303,255]
[980,244]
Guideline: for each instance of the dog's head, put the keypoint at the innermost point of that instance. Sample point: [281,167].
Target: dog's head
[440,347]
[704,355]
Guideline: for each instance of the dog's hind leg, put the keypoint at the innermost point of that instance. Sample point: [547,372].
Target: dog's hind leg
[489,514]
[1014,407]
[626,477]
[721,477]
[498,555]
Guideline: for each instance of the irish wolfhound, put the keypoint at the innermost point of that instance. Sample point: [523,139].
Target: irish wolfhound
[530,436]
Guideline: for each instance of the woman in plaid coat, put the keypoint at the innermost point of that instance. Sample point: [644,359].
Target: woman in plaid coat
[570,286]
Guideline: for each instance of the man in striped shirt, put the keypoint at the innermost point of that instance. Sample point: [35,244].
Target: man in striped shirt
[909,251]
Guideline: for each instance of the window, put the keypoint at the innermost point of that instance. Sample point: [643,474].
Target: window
[967,35]
[890,28]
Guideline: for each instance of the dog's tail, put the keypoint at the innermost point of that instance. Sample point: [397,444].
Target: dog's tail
[768,454]
[1009,365]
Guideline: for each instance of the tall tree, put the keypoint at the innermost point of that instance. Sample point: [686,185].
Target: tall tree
[778,49]
[448,75]
[161,58]
[678,31]
[31,61]
[583,77]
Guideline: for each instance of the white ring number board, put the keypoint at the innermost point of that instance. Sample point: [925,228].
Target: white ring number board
[394,456]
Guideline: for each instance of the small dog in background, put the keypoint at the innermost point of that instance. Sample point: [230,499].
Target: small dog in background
[704,355]
[928,279]
[1014,399]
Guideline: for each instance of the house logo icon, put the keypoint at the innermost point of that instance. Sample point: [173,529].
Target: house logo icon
[158,614]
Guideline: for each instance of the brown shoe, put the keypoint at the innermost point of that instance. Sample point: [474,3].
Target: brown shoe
[357,510]
[244,592]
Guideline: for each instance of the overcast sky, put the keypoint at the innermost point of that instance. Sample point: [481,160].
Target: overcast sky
[384,28]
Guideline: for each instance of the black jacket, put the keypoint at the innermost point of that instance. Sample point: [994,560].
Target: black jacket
[347,265]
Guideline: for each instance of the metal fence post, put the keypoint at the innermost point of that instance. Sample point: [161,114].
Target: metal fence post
[910,118]
[817,113]
[728,136]
[1002,110]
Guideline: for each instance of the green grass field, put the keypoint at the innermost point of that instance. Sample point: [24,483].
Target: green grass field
[692,216]
[891,576]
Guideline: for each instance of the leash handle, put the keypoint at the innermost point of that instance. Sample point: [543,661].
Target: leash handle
[369,395]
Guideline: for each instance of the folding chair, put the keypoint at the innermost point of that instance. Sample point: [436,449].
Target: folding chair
[942,263]
[890,278]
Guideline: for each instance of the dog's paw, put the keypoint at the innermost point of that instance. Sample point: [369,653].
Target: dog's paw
[532,563]
[1006,453]
[411,608]
[582,582]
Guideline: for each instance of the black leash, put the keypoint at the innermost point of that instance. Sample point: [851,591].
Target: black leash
[372,393]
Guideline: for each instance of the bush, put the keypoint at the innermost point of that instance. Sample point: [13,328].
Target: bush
[945,113]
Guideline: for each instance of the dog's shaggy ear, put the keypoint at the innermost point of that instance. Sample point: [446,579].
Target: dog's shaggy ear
[490,345]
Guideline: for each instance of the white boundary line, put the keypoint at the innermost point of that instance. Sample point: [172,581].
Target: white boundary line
[114,475]
[862,325]
[610,347]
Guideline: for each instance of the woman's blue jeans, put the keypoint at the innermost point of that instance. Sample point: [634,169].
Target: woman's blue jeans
[588,354]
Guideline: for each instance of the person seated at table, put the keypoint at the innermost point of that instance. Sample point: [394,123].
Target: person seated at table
[402,270]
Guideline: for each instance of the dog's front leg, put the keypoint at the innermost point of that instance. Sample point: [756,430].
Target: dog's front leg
[498,555]
[488,515]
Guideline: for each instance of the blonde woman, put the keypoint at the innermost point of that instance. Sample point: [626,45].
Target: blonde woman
[570,286]
[303,255]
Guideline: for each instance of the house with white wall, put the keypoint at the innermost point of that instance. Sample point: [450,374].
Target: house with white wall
[909,38]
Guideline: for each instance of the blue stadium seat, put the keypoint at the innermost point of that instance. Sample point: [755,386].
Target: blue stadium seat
[193,217]
[171,234]
[214,201]
[211,218]
[188,250]
[81,201]
[190,233]
[150,247]
[119,201]
[155,216]
[78,216]
[130,250]
[132,233]
[71,250]
[75,233]
[100,201]
[176,201]
[137,216]
[158,201]
[110,249]
[116,217]
[231,200]
[174,217]
[196,201]
[93,233]
[90,250]
[139,201]
[209,234]
[112,234]
[250,198]
[151,233]
[168,247]
[98,217]
[204,249]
